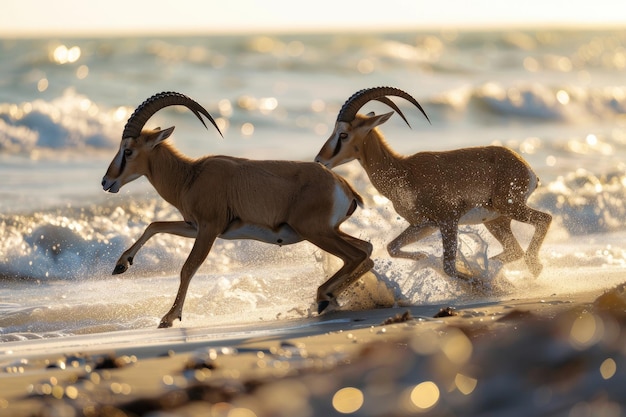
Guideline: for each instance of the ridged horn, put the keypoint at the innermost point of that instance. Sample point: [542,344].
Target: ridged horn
[158,101]
[360,98]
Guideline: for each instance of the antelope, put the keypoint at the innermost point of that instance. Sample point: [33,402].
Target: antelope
[277,202]
[439,190]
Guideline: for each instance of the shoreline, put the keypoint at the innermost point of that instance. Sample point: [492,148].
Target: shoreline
[316,366]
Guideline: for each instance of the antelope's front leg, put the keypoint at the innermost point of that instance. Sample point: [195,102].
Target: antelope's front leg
[198,254]
[411,234]
[180,228]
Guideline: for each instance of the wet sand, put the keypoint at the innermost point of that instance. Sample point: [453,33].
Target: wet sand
[562,355]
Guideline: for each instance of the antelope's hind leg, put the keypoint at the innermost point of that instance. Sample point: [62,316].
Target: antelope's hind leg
[500,228]
[541,221]
[354,253]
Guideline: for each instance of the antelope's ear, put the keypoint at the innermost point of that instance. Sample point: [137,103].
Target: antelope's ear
[159,136]
[373,120]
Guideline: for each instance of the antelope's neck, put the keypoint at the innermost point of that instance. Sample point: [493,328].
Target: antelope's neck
[169,173]
[382,164]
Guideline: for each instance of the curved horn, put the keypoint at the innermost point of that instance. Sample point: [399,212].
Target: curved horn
[158,101]
[360,98]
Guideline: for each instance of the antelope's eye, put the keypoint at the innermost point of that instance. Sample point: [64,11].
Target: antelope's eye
[128,152]
[343,136]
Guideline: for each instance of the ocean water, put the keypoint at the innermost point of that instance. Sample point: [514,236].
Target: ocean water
[556,97]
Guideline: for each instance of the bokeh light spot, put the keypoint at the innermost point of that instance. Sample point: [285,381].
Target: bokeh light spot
[425,395]
[247,129]
[82,72]
[42,85]
[64,55]
[348,400]
[562,96]
[586,330]
[608,368]
[365,66]
[457,347]
[465,384]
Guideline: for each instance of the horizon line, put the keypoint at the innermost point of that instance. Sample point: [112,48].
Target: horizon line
[182,32]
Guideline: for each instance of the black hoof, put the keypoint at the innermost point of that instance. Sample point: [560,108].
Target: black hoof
[322,305]
[119,269]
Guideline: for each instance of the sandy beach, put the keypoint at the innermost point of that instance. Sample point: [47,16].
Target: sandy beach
[519,357]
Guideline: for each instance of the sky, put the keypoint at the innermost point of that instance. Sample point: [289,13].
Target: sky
[37,18]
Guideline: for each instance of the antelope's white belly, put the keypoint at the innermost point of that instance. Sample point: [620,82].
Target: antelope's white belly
[478,215]
[282,235]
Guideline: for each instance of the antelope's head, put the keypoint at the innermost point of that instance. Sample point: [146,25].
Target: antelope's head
[351,128]
[131,160]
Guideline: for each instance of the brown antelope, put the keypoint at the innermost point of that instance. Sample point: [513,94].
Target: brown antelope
[277,202]
[439,190]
